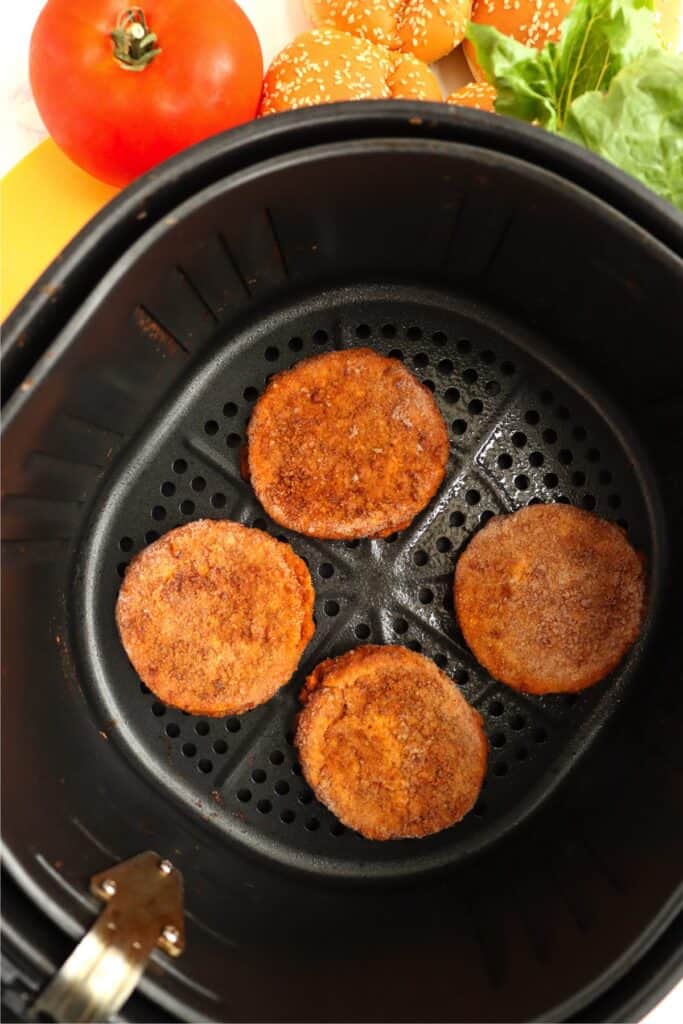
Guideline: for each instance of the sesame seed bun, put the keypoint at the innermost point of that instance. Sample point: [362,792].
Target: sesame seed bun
[532,22]
[429,29]
[479,95]
[327,66]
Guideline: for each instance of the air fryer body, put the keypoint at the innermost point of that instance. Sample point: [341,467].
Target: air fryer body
[539,296]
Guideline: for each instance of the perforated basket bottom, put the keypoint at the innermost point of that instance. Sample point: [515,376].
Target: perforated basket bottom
[521,432]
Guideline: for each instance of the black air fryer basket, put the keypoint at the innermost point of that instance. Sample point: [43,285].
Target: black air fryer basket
[539,294]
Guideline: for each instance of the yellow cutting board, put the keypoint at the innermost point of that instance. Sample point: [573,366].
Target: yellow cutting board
[44,201]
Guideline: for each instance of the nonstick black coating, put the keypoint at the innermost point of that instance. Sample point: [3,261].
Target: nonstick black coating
[521,432]
[533,922]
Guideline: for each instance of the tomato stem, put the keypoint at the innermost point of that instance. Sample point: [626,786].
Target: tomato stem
[134,45]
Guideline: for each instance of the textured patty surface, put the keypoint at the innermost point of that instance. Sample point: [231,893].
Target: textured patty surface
[389,743]
[550,598]
[214,616]
[346,445]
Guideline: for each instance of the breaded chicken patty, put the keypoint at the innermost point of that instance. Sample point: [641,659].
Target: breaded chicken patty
[389,744]
[346,445]
[550,598]
[214,616]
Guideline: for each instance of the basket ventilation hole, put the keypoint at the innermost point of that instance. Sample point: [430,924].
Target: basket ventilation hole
[173,731]
[189,749]
[388,331]
[258,775]
[218,500]
[220,747]
[420,557]
[272,353]
[287,816]
[451,395]
[205,766]
[210,427]
[459,427]
[244,795]
[198,484]
[158,709]
[421,360]
[202,728]
[229,410]
[168,489]
[362,631]
[295,344]
[331,608]
[320,337]
[187,507]
[396,353]
[233,725]
[363,331]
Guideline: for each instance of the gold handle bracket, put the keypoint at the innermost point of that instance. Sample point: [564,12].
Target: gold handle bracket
[144,909]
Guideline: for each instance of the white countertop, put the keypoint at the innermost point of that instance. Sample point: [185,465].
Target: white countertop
[276,22]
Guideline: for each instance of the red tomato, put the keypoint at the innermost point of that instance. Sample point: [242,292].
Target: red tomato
[176,72]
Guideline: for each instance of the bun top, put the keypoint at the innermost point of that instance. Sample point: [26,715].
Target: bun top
[429,29]
[328,66]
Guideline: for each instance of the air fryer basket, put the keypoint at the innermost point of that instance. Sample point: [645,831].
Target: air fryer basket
[536,313]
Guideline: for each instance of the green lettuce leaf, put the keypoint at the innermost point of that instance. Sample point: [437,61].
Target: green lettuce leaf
[599,38]
[637,123]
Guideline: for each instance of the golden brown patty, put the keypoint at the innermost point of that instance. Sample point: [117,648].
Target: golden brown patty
[215,616]
[389,744]
[550,598]
[345,445]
